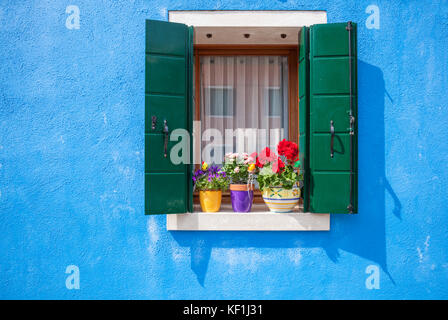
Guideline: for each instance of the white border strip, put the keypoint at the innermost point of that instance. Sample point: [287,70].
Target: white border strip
[252,221]
[237,18]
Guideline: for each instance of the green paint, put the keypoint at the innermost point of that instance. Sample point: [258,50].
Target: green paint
[304,113]
[168,96]
[330,101]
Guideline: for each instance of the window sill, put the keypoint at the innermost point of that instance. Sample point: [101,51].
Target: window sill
[257,220]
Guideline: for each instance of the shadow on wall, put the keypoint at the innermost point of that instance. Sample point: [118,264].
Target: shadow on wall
[362,234]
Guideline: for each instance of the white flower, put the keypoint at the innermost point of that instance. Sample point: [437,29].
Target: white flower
[236,170]
[249,160]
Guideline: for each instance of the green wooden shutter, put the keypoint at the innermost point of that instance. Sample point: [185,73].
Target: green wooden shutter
[332,186]
[168,96]
[304,93]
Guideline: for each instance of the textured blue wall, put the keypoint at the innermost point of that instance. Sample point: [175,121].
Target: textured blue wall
[72,160]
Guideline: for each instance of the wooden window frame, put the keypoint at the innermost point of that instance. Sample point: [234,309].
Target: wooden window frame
[291,51]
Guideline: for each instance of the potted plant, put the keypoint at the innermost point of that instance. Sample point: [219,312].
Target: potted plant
[210,181]
[240,168]
[279,176]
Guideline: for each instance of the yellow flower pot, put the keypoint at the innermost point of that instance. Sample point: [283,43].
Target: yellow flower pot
[281,200]
[210,200]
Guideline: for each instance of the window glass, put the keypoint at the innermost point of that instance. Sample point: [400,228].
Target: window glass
[274,101]
[221,102]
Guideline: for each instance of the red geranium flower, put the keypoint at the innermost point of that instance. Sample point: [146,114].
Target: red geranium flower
[288,149]
[278,166]
[258,163]
[266,155]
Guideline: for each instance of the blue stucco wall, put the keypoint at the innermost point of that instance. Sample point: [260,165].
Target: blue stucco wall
[72,162]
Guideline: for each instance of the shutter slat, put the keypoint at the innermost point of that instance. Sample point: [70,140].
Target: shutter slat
[304,116]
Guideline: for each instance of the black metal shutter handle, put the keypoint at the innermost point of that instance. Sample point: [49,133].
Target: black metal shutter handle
[165,131]
[332,138]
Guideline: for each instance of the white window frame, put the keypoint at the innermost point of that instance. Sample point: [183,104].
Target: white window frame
[233,96]
[252,221]
[266,97]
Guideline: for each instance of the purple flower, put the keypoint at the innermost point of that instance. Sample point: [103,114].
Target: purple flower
[214,169]
[198,173]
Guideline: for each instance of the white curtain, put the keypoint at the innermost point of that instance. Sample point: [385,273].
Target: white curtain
[244,104]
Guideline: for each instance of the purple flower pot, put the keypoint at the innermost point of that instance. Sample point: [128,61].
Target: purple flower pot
[242,198]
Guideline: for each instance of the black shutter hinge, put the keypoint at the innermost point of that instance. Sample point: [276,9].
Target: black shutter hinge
[349,26]
[352,125]
[350,208]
